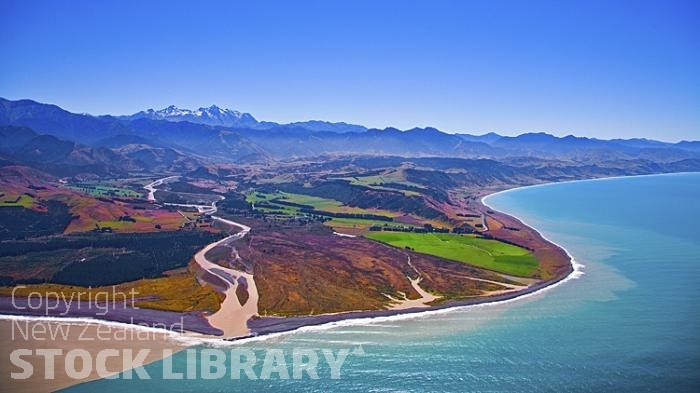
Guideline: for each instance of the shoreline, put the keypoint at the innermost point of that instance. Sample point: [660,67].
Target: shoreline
[280,326]
[580,180]
[287,325]
[262,329]
[268,327]
[91,338]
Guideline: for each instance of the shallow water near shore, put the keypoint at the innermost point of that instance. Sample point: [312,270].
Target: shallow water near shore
[629,323]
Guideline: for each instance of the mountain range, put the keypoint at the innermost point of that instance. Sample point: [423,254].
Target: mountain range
[48,135]
[21,145]
[215,116]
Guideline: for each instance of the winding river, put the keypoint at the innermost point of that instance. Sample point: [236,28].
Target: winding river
[232,316]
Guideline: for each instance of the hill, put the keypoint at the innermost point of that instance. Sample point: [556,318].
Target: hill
[230,136]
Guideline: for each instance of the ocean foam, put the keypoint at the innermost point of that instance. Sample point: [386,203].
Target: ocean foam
[192,339]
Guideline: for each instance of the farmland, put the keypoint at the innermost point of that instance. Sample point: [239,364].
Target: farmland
[23,200]
[476,251]
[302,271]
[100,190]
[102,235]
[317,203]
[390,181]
[361,225]
[117,215]
[287,205]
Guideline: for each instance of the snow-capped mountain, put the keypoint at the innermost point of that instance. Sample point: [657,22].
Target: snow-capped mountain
[213,116]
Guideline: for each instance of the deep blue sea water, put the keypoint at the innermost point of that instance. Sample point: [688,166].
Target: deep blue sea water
[630,323]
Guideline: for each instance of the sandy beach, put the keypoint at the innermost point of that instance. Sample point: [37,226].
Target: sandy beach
[24,333]
[234,319]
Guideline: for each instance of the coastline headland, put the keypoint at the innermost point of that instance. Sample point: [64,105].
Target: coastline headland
[562,264]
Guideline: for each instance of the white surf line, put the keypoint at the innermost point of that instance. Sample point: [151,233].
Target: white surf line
[190,338]
[576,273]
[372,321]
[82,321]
[184,337]
[577,268]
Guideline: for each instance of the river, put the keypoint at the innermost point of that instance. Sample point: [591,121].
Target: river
[630,323]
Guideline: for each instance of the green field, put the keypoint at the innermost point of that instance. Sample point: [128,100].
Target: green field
[360,223]
[486,253]
[24,200]
[103,190]
[317,203]
[254,197]
[381,179]
[377,183]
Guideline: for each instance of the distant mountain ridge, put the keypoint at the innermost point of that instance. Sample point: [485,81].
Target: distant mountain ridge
[21,145]
[185,132]
[213,116]
[51,119]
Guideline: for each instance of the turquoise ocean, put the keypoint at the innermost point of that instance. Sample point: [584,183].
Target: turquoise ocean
[629,322]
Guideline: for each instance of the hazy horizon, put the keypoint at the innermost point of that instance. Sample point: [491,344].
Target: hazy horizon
[481,133]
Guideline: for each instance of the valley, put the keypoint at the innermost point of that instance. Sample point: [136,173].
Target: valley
[349,196]
[275,240]
[277,253]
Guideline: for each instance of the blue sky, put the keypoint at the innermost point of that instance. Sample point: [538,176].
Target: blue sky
[595,68]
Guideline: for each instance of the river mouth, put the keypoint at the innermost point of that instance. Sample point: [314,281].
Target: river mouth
[232,317]
[586,334]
